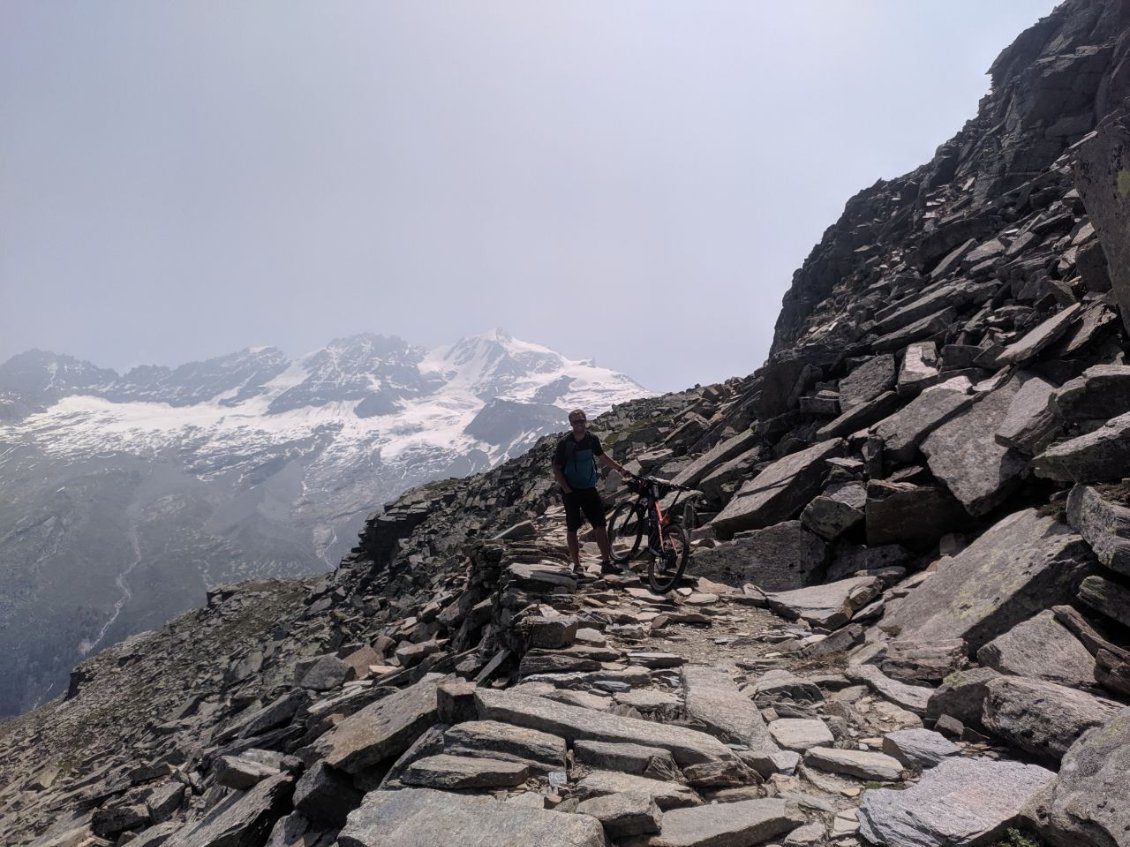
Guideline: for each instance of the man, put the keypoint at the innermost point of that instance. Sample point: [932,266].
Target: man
[574,468]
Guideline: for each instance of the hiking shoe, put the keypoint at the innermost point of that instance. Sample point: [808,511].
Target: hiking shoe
[610,568]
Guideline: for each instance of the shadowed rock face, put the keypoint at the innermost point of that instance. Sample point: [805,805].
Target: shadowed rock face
[432,656]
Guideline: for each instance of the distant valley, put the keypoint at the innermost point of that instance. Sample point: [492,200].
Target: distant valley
[128,496]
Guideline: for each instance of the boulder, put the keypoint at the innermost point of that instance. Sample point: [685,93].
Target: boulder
[872,378]
[1041,648]
[1024,563]
[629,758]
[452,773]
[860,416]
[326,673]
[902,432]
[712,698]
[926,328]
[623,815]
[1087,803]
[1100,393]
[240,820]
[715,457]
[1094,457]
[965,455]
[919,749]
[959,802]
[828,606]
[778,492]
[540,750]
[775,558]
[1108,597]
[1041,337]
[858,763]
[726,824]
[835,511]
[666,794]
[915,516]
[576,723]
[1031,422]
[379,732]
[1040,717]
[1104,524]
[961,695]
[420,816]
[1100,165]
[801,733]
[919,368]
[913,698]
[323,794]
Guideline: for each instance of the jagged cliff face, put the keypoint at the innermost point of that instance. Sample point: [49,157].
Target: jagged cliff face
[915,516]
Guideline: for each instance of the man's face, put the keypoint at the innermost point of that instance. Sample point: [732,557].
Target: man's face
[578,423]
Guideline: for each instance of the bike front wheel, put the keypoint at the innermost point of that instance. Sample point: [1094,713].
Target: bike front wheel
[625,532]
[664,571]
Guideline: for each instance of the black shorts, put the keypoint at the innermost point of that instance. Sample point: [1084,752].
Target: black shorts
[585,500]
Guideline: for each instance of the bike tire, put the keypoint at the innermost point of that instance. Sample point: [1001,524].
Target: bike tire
[664,572]
[690,516]
[625,532]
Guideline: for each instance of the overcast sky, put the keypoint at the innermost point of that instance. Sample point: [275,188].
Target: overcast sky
[630,181]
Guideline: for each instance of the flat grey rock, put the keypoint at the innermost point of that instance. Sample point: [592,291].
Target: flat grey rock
[380,731]
[628,758]
[965,455]
[961,695]
[666,794]
[902,432]
[1031,422]
[919,749]
[244,818]
[908,514]
[860,416]
[835,511]
[1095,457]
[1040,648]
[1040,717]
[779,492]
[959,803]
[913,698]
[450,772]
[1024,563]
[712,698]
[1106,596]
[623,815]
[716,456]
[801,733]
[830,605]
[505,741]
[871,379]
[776,558]
[919,368]
[1040,337]
[862,764]
[575,723]
[740,824]
[424,817]
[1104,524]
[1100,393]
[1087,803]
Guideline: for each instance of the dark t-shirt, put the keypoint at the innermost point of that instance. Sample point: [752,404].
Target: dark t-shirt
[578,460]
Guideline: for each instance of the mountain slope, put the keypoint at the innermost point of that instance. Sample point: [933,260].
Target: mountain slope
[132,495]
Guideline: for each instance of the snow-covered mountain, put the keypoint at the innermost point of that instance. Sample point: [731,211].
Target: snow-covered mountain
[127,496]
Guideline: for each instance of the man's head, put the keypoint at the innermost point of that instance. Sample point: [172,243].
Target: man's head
[577,420]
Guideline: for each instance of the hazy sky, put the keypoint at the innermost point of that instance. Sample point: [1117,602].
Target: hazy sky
[630,181]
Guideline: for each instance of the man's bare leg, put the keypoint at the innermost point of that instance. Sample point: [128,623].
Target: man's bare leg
[575,547]
[601,534]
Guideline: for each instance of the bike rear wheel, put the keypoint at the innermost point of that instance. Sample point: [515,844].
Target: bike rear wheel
[664,572]
[625,531]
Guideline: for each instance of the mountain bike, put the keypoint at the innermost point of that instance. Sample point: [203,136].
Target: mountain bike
[668,542]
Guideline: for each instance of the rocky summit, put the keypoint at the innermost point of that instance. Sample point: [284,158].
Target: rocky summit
[905,621]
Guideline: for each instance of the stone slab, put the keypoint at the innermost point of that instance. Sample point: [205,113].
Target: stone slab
[424,817]
[1024,563]
[861,764]
[667,794]
[380,731]
[242,818]
[1104,524]
[508,742]
[830,605]
[778,492]
[575,723]
[902,432]
[1094,457]
[964,454]
[738,824]
[713,699]
[960,802]
[775,558]
[1040,648]
[919,749]
[448,772]
[801,733]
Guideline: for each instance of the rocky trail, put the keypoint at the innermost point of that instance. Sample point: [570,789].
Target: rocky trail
[907,621]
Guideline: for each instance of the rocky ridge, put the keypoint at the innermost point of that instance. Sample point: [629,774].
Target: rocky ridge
[908,616]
